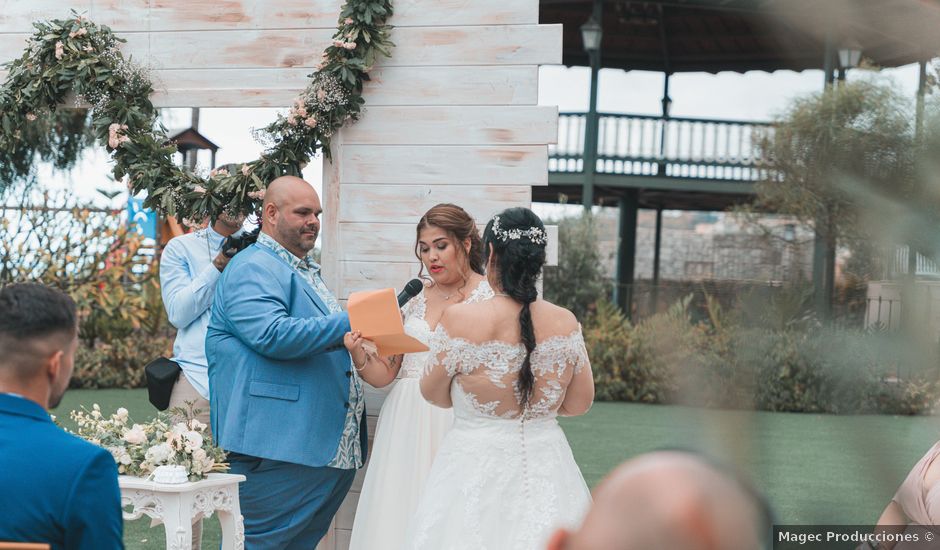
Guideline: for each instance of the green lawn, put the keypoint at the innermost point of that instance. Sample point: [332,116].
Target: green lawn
[813,468]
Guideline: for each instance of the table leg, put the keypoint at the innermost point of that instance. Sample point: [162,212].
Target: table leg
[177,521]
[233,525]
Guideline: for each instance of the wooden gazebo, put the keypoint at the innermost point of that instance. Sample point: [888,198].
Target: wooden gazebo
[662,162]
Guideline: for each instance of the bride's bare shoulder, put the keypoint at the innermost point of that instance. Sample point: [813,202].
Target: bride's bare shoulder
[551,319]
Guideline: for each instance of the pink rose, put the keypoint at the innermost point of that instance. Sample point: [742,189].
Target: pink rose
[245,169]
[59,50]
[199,189]
[31,117]
[348,21]
[257,195]
[350,45]
[311,122]
[338,43]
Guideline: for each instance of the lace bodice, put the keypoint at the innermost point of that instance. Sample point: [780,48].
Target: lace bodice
[487,373]
[416,326]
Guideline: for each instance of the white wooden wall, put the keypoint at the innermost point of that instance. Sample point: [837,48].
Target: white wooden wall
[452,116]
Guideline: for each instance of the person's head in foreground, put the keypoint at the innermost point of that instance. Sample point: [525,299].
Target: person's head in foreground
[448,245]
[670,500]
[38,337]
[291,214]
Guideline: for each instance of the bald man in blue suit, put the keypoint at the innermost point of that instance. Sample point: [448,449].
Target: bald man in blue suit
[54,487]
[285,400]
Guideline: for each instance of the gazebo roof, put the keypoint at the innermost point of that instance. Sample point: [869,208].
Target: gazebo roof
[190,138]
[743,35]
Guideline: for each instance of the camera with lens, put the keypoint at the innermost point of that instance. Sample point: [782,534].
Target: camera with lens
[240,240]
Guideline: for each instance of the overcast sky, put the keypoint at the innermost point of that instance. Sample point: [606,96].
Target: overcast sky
[750,96]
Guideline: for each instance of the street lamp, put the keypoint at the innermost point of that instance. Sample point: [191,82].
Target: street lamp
[850,54]
[591,34]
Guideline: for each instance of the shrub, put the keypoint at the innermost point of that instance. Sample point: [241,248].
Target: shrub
[793,367]
[119,364]
[90,255]
[578,282]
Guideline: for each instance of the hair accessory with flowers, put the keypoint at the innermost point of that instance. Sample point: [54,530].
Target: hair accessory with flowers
[535,234]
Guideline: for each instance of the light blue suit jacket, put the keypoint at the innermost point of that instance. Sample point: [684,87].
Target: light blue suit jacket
[278,373]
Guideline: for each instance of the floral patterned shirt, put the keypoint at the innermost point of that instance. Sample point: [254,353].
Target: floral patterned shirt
[349,454]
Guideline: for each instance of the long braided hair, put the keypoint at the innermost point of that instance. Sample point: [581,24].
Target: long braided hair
[517,236]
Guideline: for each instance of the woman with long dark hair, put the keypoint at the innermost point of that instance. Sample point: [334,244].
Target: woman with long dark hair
[410,430]
[504,476]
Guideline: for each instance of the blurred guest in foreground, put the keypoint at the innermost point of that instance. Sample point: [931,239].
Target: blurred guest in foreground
[670,500]
[54,487]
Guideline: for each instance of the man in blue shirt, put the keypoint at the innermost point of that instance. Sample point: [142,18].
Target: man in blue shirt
[190,266]
[55,488]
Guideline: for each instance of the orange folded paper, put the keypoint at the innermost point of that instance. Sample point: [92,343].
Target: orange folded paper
[375,314]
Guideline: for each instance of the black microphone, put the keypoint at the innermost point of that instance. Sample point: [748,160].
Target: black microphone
[412,289]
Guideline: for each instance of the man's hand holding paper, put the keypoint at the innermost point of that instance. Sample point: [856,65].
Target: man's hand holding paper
[375,314]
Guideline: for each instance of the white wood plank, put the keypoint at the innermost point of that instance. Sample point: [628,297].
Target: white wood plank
[551,250]
[173,15]
[12,46]
[453,125]
[407,203]
[19,15]
[347,511]
[452,165]
[134,15]
[378,242]
[476,85]
[343,538]
[415,46]
[389,86]
[330,188]
[507,85]
[358,276]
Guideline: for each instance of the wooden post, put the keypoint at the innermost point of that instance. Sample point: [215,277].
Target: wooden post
[591,129]
[626,250]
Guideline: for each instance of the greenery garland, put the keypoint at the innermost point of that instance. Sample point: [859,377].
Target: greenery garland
[76,56]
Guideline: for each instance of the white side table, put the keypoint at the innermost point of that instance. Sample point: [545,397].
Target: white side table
[178,505]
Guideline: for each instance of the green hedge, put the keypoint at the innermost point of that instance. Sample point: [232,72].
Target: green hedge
[668,358]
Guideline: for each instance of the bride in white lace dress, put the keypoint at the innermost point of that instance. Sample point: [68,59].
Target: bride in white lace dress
[504,476]
[409,429]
